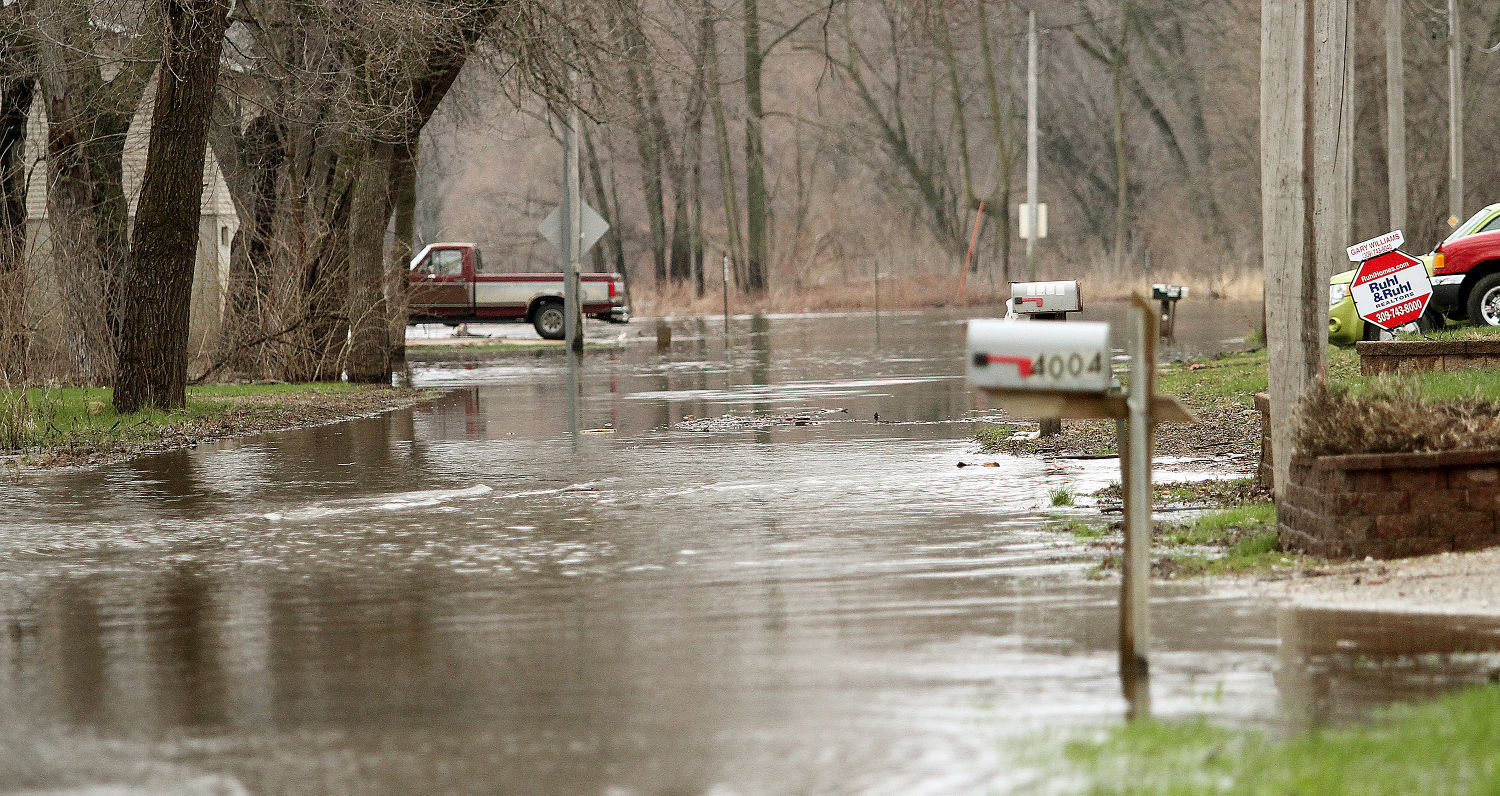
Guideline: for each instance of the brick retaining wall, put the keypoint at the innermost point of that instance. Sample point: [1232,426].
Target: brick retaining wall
[1390,505]
[1387,356]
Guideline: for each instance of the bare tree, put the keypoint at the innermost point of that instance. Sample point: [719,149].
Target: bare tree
[88,117]
[151,352]
[18,79]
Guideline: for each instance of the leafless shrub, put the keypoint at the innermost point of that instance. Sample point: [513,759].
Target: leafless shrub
[1391,418]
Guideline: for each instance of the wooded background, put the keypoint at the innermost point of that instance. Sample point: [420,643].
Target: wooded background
[811,141]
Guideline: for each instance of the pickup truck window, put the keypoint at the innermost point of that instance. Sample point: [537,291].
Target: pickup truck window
[443,262]
[1490,227]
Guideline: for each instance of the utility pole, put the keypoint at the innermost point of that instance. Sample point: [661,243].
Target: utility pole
[1331,119]
[572,222]
[1455,118]
[1031,146]
[1298,41]
[1395,120]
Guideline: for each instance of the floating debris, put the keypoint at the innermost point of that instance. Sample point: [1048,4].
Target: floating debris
[786,417]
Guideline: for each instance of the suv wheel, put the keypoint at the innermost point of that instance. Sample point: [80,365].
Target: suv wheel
[1484,302]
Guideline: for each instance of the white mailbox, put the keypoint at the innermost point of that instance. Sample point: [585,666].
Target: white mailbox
[1039,357]
[1030,298]
[1168,292]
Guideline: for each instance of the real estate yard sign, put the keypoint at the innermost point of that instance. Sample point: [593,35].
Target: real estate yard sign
[1391,289]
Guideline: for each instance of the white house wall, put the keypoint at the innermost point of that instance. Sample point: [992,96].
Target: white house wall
[217,225]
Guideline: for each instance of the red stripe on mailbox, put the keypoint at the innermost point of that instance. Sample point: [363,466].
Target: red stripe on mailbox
[1023,364]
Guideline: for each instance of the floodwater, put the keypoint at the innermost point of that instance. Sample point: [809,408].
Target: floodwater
[551,581]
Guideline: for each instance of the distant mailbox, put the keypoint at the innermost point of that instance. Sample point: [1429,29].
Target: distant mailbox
[1039,357]
[1168,292]
[1030,298]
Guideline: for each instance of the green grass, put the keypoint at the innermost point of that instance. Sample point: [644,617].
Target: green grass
[1239,376]
[1240,538]
[991,436]
[1223,526]
[1434,386]
[1455,332]
[1451,745]
[1062,496]
[84,416]
[1256,552]
[1080,529]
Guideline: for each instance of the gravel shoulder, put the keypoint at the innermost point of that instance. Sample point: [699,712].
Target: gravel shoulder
[1224,429]
[1446,583]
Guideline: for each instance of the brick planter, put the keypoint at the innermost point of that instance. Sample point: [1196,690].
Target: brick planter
[1388,356]
[1390,505]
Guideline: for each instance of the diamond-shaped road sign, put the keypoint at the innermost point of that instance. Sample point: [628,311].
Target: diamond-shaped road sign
[1391,289]
[593,228]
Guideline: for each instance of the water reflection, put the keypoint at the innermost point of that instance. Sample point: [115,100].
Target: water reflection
[476,594]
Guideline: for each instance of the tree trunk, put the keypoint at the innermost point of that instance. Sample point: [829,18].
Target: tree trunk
[398,285]
[369,210]
[999,201]
[87,120]
[326,280]
[648,144]
[1122,162]
[609,206]
[16,92]
[151,353]
[721,142]
[757,222]
[252,163]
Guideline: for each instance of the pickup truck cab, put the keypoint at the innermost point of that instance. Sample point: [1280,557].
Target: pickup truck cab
[449,285]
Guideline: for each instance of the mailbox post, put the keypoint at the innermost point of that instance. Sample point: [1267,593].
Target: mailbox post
[1168,295]
[1064,371]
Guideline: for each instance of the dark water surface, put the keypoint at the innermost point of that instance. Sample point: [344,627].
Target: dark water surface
[515,590]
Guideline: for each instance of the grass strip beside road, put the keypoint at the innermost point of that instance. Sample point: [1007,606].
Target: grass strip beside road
[79,425]
[1235,538]
[1451,745]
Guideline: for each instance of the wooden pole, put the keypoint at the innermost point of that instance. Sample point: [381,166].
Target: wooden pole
[1455,117]
[1395,108]
[1331,118]
[1032,155]
[572,220]
[973,237]
[1296,303]
[1135,463]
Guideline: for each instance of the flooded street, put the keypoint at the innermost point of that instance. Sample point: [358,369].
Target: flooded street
[548,582]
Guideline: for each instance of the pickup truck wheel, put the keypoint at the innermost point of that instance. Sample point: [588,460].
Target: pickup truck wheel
[1484,302]
[549,321]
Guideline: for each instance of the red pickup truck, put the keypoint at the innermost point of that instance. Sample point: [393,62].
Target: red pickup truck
[1466,270]
[449,285]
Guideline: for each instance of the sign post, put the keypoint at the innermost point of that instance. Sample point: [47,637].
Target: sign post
[572,228]
[1052,370]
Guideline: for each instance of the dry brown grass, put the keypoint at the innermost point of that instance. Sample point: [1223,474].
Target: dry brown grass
[1392,419]
[917,291]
